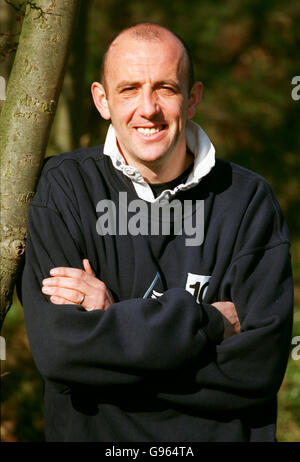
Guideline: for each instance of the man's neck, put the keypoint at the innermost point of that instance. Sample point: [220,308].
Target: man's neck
[157,175]
[169,173]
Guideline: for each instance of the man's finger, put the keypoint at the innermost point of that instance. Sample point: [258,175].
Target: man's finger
[61,301]
[68,283]
[76,273]
[68,294]
[87,267]
[68,272]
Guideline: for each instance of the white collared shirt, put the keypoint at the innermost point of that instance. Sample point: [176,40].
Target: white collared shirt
[198,143]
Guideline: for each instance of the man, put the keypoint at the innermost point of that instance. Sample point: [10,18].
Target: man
[143,334]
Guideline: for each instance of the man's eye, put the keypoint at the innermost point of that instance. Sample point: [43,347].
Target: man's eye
[167,89]
[128,89]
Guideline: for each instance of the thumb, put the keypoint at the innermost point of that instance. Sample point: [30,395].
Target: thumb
[87,267]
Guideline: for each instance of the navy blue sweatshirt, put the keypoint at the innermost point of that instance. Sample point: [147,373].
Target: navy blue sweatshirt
[155,366]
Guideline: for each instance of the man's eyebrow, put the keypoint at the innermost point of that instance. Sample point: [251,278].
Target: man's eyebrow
[131,83]
[127,83]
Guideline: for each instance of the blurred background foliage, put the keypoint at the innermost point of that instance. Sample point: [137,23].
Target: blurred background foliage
[246,54]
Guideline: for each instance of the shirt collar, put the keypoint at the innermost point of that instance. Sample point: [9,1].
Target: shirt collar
[198,143]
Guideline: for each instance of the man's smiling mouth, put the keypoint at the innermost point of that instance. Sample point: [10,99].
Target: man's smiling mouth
[148,131]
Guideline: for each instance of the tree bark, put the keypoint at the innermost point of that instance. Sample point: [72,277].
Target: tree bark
[9,36]
[25,121]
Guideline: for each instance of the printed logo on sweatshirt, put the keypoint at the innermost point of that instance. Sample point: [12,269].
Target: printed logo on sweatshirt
[156,288]
[197,285]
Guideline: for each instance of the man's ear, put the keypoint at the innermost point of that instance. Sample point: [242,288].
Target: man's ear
[100,100]
[195,98]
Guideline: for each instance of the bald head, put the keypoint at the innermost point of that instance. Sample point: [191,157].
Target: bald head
[150,32]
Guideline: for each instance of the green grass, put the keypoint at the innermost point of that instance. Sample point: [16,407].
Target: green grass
[288,429]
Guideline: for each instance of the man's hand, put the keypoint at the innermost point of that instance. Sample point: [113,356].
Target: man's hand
[231,321]
[72,286]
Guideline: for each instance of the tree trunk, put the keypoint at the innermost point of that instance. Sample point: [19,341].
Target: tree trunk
[25,122]
[9,36]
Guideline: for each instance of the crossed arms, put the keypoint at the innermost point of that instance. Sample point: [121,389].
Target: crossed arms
[68,285]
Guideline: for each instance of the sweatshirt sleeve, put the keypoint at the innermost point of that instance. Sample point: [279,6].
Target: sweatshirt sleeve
[121,345]
[248,368]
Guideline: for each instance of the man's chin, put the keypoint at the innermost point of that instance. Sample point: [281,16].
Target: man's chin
[152,157]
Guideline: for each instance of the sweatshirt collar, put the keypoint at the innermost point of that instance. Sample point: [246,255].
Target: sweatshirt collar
[198,143]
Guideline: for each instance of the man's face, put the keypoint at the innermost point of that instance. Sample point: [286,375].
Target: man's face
[147,99]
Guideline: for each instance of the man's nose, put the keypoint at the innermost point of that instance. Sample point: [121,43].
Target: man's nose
[148,104]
